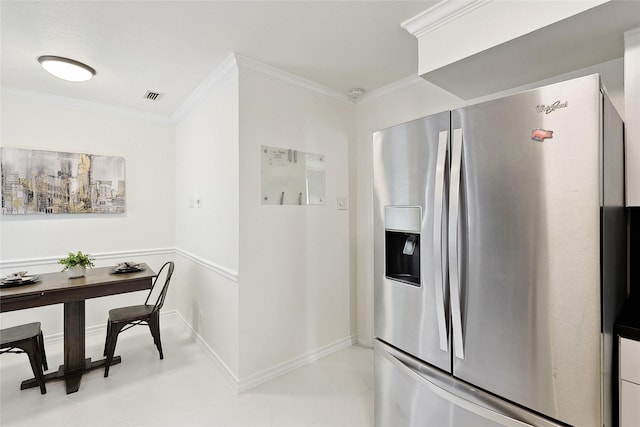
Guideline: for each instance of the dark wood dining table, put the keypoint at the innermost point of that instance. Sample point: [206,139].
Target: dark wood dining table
[57,288]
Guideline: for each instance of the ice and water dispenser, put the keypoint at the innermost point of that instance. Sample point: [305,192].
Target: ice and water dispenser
[402,243]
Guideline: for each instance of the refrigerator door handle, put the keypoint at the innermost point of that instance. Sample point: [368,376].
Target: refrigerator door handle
[462,396]
[454,262]
[440,255]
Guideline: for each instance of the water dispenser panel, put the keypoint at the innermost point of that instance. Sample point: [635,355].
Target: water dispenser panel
[402,244]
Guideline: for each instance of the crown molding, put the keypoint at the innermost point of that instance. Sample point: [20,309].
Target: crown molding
[221,74]
[232,65]
[441,14]
[413,81]
[251,64]
[83,105]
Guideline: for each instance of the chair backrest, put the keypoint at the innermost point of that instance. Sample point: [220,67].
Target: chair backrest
[167,268]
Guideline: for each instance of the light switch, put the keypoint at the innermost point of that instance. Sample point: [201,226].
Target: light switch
[342,203]
[190,203]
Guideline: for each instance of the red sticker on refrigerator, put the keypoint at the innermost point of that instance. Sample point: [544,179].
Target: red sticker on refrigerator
[541,134]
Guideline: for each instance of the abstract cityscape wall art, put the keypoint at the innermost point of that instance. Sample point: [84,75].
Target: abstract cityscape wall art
[51,182]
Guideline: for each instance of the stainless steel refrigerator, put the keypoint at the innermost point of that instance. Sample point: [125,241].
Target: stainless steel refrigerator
[500,261]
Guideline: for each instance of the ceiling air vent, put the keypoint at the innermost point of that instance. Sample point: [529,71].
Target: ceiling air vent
[153,96]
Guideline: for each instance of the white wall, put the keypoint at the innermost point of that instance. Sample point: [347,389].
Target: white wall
[263,286]
[295,277]
[144,233]
[207,168]
[632,105]
[266,287]
[207,240]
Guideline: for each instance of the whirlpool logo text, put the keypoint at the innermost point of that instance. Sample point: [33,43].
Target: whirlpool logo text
[548,109]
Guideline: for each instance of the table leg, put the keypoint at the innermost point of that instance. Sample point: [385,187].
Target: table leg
[75,364]
[60,373]
[74,360]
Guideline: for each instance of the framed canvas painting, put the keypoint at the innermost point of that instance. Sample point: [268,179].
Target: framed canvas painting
[52,182]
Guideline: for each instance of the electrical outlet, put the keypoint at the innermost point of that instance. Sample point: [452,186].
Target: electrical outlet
[198,201]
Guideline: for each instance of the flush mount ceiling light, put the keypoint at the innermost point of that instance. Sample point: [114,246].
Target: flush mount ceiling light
[66,69]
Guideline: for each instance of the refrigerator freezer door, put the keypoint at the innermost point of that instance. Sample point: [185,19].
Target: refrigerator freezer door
[411,393]
[529,249]
[406,174]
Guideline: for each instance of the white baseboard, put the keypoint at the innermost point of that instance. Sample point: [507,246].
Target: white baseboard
[244,384]
[237,385]
[211,354]
[288,366]
[101,329]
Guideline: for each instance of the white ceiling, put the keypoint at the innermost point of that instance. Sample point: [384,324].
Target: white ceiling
[171,47]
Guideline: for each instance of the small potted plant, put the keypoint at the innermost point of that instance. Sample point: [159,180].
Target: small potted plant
[76,264]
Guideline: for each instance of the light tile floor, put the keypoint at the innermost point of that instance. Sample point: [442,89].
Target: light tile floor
[188,389]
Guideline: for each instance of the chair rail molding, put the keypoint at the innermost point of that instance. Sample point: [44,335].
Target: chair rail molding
[100,256]
[223,271]
[441,14]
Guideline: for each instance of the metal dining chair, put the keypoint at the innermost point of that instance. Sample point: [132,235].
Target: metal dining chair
[123,318]
[27,339]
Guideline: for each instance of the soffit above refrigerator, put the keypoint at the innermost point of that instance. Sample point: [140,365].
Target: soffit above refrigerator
[589,38]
